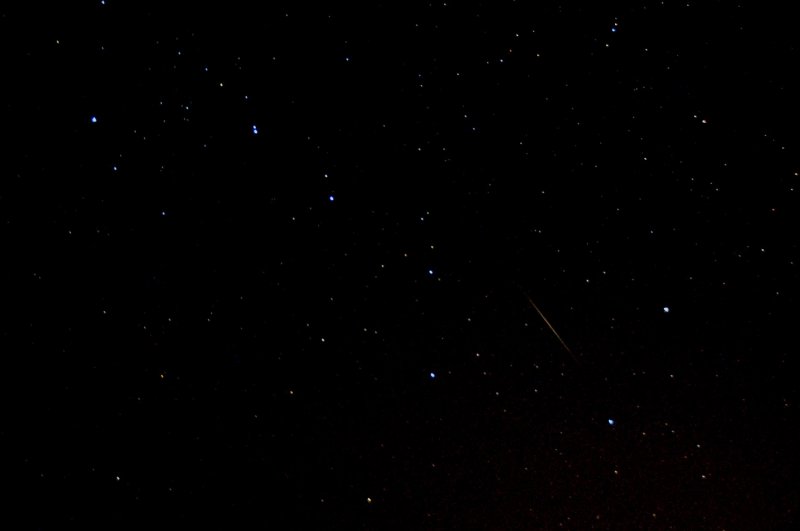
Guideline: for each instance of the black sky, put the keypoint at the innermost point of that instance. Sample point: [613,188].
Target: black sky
[268,267]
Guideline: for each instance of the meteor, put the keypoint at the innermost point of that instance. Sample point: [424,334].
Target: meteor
[563,344]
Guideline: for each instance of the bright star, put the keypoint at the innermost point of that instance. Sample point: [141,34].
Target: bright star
[610,422]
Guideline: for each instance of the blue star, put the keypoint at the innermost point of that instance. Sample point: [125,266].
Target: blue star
[330,198]
[255,130]
[93,119]
[610,422]
[432,375]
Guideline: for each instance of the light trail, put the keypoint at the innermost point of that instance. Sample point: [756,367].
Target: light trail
[552,329]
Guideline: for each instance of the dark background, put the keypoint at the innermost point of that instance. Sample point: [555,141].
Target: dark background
[194,334]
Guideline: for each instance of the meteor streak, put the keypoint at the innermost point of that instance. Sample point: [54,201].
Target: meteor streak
[563,344]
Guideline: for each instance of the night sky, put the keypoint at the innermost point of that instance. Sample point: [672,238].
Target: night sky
[498,265]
